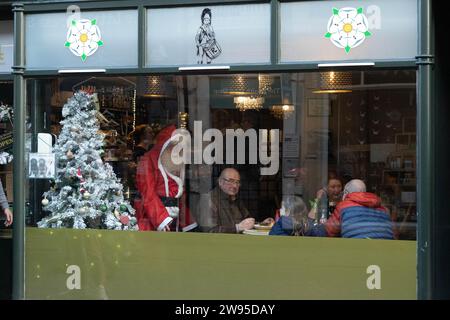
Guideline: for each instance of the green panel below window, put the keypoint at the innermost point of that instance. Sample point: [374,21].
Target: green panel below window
[156,265]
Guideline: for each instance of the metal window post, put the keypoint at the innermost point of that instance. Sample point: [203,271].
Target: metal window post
[19,155]
[425,153]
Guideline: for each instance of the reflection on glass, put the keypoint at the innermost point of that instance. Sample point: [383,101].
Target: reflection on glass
[214,175]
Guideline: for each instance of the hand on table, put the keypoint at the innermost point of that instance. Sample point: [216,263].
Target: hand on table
[246,224]
[268,221]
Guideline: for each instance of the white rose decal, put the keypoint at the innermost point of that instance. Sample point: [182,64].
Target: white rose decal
[83,38]
[348,28]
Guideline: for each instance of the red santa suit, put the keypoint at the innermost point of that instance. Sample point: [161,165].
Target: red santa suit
[162,193]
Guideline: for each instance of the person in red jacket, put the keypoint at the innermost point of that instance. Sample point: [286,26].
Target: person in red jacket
[160,182]
[359,215]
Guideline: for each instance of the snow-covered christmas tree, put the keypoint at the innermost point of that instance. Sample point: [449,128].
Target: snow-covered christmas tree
[86,193]
[6,115]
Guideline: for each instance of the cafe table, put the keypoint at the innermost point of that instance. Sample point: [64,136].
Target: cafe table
[254,232]
[258,230]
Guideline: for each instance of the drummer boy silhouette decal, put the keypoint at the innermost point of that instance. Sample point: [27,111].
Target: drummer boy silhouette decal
[208,48]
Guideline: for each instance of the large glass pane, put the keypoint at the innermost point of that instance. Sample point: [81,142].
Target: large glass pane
[6,140]
[93,40]
[6,45]
[365,129]
[6,146]
[6,188]
[348,30]
[244,154]
[203,35]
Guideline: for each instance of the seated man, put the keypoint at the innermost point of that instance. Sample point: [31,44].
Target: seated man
[221,210]
[359,215]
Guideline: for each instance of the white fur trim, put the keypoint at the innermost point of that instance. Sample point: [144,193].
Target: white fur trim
[172,210]
[190,227]
[178,180]
[164,223]
[164,172]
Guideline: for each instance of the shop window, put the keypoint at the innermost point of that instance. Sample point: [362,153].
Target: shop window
[373,29]
[318,140]
[86,39]
[226,34]
[6,44]
[6,144]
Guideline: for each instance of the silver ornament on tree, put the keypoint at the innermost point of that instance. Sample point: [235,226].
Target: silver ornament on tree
[82,210]
[86,195]
[44,202]
[69,154]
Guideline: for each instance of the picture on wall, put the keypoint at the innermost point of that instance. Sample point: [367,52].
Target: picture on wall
[41,166]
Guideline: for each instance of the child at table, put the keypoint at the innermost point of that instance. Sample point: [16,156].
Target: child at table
[293,219]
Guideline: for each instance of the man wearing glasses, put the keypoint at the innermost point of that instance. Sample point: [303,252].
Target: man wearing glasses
[222,211]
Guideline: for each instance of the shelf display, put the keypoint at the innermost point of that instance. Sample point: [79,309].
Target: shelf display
[377,142]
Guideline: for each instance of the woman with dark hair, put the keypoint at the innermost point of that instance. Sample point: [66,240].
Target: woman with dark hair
[207,46]
[293,219]
[326,199]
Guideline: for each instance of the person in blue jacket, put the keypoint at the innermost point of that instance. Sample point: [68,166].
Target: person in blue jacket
[293,219]
[359,215]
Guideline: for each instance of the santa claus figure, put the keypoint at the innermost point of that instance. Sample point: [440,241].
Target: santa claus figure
[160,182]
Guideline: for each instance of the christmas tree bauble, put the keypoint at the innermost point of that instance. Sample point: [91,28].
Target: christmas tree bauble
[82,210]
[86,195]
[124,220]
[44,202]
[69,154]
[103,208]
[123,208]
